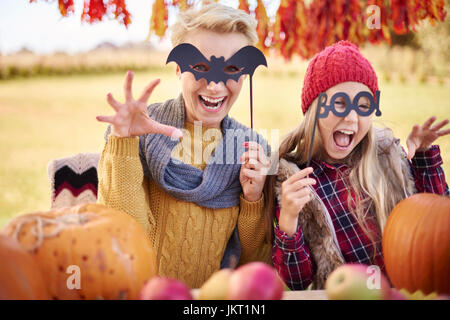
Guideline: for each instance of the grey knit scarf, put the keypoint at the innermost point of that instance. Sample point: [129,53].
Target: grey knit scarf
[218,185]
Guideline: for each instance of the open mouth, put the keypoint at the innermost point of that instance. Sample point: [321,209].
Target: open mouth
[210,103]
[343,138]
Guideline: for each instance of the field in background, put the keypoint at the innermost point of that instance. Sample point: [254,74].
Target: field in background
[46,117]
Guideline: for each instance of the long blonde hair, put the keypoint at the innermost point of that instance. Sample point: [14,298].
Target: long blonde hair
[370,183]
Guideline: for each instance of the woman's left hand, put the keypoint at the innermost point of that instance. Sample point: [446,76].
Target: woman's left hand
[254,169]
[422,137]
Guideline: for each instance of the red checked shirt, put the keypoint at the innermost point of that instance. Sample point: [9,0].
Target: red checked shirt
[291,255]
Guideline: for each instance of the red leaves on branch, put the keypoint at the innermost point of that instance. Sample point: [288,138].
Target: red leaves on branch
[119,9]
[378,33]
[93,11]
[160,15]
[406,14]
[300,27]
[289,28]
[263,27]
[243,5]
[66,7]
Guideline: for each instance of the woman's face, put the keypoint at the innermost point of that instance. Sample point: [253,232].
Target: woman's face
[340,135]
[211,102]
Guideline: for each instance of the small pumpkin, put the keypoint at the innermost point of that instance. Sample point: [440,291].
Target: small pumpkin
[88,251]
[20,277]
[416,244]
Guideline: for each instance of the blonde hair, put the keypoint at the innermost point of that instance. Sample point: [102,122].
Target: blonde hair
[214,17]
[373,188]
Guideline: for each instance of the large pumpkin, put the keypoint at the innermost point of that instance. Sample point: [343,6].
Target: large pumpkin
[20,276]
[416,244]
[87,252]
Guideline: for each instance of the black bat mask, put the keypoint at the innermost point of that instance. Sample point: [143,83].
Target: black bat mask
[245,61]
[190,59]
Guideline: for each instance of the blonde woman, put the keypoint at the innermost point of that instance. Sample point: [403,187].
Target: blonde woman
[200,214]
[335,210]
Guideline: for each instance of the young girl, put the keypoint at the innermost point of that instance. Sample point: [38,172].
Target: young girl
[335,210]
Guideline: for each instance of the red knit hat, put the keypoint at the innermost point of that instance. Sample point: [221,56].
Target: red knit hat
[340,62]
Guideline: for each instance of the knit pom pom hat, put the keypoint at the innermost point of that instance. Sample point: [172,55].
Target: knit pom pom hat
[340,62]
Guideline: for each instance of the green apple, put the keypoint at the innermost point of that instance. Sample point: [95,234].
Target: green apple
[357,282]
[216,287]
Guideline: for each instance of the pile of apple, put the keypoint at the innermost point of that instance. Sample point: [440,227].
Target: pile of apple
[252,281]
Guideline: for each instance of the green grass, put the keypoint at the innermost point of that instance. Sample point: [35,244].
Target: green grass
[54,117]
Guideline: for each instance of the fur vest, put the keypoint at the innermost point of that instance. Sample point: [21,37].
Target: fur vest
[318,229]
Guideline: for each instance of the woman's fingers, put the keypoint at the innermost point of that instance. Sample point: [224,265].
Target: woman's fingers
[128,85]
[156,127]
[148,90]
[112,102]
[255,151]
[108,119]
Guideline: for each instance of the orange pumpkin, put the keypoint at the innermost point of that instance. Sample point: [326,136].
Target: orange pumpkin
[416,244]
[20,277]
[87,252]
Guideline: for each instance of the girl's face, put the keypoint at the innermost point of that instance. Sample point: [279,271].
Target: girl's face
[340,135]
[211,102]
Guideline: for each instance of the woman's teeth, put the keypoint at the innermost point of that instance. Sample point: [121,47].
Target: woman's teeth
[211,103]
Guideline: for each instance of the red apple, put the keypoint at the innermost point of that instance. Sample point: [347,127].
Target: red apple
[255,281]
[162,288]
[357,282]
[396,295]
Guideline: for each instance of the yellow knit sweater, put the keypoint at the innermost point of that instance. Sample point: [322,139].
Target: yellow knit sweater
[189,240]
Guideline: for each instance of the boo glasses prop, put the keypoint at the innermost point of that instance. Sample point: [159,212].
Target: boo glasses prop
[341,105]
[245,61]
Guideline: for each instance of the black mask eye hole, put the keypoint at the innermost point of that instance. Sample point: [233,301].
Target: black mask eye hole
[200,67]
[232,69]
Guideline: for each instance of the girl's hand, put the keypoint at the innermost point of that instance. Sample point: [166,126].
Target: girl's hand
[422,137]
[254,169]
[295,194]
[131,118]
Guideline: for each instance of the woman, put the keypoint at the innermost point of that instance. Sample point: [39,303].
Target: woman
[201,213]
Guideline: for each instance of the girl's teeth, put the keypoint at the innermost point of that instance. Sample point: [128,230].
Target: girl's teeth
[346,132]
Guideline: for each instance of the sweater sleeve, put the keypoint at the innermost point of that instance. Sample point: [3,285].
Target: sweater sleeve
[428,173]
[121,179]
[292,258]
[251,227]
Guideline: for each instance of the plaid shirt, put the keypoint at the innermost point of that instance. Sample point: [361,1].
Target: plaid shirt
[291,255]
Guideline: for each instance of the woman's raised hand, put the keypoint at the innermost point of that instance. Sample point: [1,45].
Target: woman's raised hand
[131,118]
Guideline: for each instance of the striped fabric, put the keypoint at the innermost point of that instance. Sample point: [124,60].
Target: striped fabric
[73,180]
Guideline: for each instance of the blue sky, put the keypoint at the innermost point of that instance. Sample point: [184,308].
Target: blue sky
[40,27]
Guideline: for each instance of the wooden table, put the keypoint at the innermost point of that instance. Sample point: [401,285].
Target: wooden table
[305,295]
